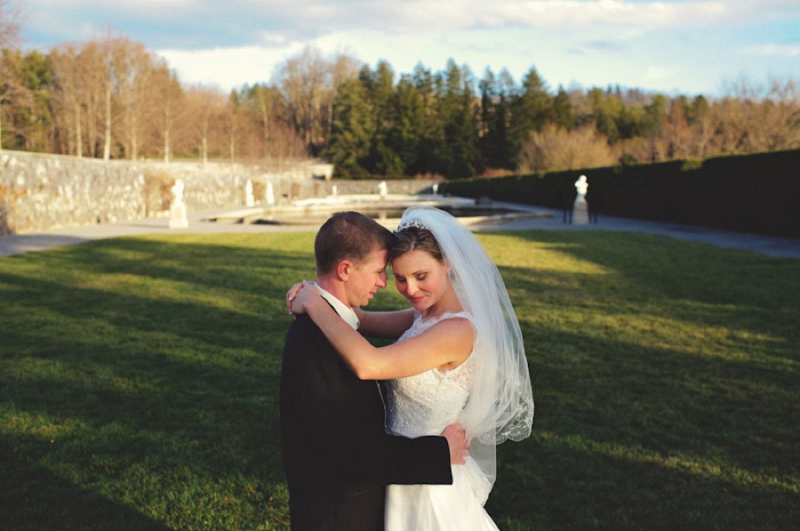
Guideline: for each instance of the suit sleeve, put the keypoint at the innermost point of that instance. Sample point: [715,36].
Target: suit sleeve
[330,436]
[384,458]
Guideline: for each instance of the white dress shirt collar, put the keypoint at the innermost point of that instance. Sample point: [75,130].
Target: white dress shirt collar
[344,311]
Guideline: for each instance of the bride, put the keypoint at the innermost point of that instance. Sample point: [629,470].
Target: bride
[458,358]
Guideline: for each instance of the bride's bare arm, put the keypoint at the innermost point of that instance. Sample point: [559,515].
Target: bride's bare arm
[385,325]
[445,345]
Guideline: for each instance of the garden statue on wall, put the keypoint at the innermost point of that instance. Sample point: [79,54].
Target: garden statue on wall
[249,199]
[177,212]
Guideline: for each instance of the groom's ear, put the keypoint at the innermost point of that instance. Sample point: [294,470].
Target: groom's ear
[343,269]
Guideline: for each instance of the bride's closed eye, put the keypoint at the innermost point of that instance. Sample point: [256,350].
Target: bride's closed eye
[419,278]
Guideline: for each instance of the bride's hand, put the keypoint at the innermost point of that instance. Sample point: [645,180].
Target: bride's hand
[303,296]
[291,294]
[457,441]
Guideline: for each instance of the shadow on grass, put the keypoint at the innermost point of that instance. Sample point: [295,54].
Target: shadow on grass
[133,386]
[34,498]
[639,429]
[668,403]
[572,483]
[153,365]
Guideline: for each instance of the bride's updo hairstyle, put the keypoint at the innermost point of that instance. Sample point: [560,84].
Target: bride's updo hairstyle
[412,238]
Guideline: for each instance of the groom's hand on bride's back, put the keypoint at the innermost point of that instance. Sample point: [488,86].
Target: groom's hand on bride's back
[457,440]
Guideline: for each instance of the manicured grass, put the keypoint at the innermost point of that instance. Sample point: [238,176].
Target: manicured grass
[139,384]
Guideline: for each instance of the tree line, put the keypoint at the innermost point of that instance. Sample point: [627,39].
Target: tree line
[451,124]
[113,98]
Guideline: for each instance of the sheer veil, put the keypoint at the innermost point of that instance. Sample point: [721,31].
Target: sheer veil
[500,406]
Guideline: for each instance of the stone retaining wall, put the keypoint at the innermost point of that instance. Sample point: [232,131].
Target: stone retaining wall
[40,192]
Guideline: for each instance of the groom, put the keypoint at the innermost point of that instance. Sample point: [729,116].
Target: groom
[337,455]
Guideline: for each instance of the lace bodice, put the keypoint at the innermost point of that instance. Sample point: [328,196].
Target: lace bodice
[427,403]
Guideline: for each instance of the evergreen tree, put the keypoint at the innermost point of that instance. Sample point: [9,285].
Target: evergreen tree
[504,150]
[458,117]
[655,116]
[409,129]
[562,110]
[700,109]
[26,93]
[382,159]
[432,156]
[352,131]
[606,111]
[531,109]
[493,141]
[487,134]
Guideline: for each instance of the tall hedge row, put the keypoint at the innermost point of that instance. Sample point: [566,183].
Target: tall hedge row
[746,193]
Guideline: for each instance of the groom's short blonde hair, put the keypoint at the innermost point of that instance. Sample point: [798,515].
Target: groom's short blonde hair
[348,236]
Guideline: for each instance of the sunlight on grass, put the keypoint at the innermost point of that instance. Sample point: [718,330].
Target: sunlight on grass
[139,383]
[695,465]
[39,425]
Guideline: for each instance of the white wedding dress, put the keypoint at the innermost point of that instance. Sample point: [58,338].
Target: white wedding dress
[426,404]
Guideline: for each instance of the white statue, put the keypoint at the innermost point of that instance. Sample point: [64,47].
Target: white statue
[177,212]
[270,194]
[383,189]
[581,210]
[248,193]
[177,192]
[582,185]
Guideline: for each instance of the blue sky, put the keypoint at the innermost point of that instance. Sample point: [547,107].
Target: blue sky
[673,46]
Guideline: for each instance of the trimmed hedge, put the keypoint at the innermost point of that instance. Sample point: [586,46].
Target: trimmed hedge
[757,193]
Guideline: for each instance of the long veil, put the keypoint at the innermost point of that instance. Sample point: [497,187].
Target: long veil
[500,406]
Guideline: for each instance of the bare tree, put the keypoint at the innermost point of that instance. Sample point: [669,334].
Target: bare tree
[68,97]
[342,68]
[93,75]
[205,105]
[135,81]
[263,98]
[555,149]
[302,80]
[107,51]
[11,16]
[115,74]
[677,135]
[233,123]
[167,96]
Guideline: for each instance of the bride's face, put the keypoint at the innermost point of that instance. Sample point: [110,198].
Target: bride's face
[420,278]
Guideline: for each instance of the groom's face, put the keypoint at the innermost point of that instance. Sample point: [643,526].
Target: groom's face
[366,278]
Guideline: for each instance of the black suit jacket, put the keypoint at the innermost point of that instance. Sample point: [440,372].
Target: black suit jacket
[337,455]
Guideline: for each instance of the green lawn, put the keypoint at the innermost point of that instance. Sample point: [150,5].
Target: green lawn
[139,384]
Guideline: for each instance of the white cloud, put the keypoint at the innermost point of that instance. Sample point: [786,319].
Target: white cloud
[776,50]
[272,38]
[127,5]
[303,19]
[424,15]
[228,68]
[417,15]
[659,73]
[589,41]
